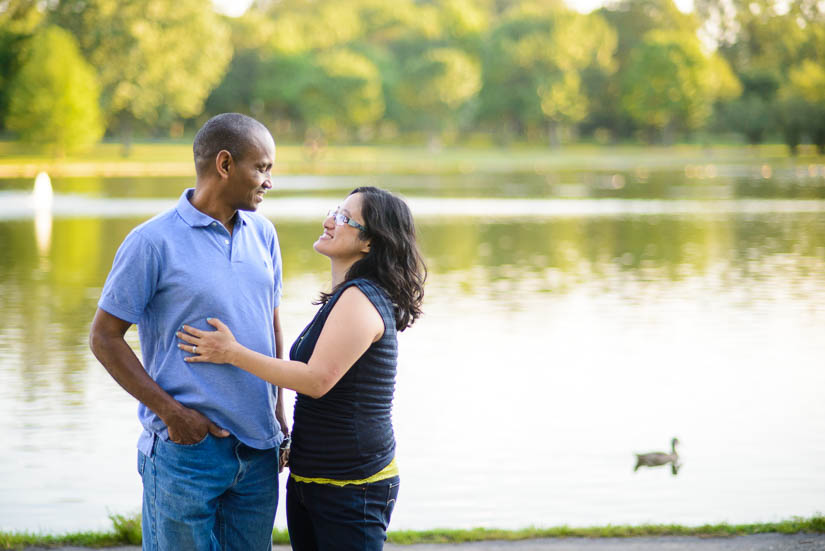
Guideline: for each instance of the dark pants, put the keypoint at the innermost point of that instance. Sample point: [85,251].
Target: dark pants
[324,517]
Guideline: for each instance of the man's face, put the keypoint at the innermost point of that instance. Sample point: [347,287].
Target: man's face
[251,178]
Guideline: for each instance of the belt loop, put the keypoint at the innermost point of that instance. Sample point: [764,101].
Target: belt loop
[154,444]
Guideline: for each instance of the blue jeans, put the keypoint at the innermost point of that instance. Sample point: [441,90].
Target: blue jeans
[218,494]
[353,517]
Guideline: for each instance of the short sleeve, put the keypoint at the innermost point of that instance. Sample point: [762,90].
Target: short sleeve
[133,280]
[277,267]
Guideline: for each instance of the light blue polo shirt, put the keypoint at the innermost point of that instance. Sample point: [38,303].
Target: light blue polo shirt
[182,267]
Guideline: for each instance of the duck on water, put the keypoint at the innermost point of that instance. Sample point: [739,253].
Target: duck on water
[657,459]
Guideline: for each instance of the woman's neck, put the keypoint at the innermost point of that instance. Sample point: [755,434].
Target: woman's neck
[339,271]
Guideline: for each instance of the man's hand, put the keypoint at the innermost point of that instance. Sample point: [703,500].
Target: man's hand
[188,426]
[283,455]
[284,460]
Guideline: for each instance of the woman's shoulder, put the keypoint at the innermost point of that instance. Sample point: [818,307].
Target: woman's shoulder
[367,286]
[376,294]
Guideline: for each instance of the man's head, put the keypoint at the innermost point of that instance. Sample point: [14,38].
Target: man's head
[235,153]
[232,132]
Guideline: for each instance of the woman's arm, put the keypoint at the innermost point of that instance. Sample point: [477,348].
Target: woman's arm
[352,326]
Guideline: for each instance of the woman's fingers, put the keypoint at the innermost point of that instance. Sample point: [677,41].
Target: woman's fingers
[192,330]
[216,323]
[204,345]
[187,338]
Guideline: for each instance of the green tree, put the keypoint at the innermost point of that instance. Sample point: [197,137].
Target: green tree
[333,90]
[237,92]
[630,20]
[317,53]
[54,97]
[633,19]
[463,20]
[802,106]
[299,26]
[436,85]
[156,60]
[669,84]
[533,64]
[18,21]
[754,112]
[762,34]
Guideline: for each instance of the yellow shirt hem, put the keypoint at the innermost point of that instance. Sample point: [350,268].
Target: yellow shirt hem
[389,471]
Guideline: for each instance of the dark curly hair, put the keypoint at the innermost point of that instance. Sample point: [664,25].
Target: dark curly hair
[393,261]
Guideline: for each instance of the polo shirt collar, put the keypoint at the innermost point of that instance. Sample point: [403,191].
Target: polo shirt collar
[193,216]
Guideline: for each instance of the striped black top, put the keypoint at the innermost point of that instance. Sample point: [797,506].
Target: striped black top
[347,434]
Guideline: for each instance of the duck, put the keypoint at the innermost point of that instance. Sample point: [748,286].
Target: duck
[657,459]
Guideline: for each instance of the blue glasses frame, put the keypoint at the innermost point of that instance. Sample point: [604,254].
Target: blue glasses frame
[341,219]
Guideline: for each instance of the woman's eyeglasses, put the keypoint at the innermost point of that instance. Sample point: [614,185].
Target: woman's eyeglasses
[341,219]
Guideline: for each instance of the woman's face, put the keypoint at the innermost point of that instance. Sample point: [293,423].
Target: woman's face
[340,240]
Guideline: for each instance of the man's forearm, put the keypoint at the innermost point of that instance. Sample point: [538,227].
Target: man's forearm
[279,412]
[123,365]
[106,339]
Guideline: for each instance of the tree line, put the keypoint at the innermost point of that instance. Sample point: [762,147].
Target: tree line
[445,70]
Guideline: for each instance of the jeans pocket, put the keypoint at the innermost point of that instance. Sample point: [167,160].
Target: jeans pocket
[392,497]
[192,445]
[141,463]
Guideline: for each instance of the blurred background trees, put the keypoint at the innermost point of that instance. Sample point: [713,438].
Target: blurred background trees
[53,97]
[419,70]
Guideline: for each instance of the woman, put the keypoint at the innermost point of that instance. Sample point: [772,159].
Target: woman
[344,479]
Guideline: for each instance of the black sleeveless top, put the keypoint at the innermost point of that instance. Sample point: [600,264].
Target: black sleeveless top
[347,434]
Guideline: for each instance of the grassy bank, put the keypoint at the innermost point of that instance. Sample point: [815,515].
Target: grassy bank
[174,159]
[815,524]
[126,531]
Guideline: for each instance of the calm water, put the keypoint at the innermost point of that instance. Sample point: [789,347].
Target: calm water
[571,320]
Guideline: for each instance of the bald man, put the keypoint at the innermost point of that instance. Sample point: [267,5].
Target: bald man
[209,452]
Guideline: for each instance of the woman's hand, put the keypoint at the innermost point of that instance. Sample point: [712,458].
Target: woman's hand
[208,346]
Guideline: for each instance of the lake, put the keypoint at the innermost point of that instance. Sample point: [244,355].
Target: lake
[572,318]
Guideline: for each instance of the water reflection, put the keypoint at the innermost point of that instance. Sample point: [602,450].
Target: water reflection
[43,230]
[556,335]
[42,198]
[701,182]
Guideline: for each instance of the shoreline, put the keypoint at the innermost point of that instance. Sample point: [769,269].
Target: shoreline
[174,159]
[759,542]
[126,532]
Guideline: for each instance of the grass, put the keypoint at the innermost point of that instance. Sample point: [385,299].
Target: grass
[174,159]
[815,524]
[126,531]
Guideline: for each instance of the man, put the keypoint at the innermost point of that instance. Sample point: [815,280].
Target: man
[209,451]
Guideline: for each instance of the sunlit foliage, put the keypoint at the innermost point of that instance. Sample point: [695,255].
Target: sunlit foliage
[507,70]
[155,60]
[53,98]
[670,84]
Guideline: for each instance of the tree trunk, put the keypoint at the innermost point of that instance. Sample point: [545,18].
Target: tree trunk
[554,134]
[668,134]
[126,136]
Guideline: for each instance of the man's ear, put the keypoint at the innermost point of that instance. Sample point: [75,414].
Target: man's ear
[224,163]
